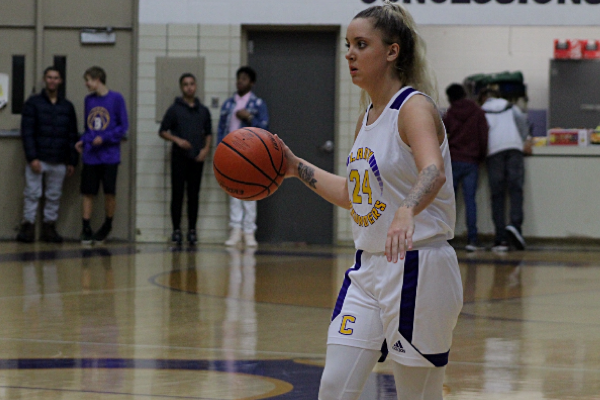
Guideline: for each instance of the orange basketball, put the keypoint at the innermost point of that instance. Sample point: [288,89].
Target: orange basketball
[250,164]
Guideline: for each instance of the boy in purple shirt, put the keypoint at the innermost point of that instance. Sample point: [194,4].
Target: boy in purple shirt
[100,145]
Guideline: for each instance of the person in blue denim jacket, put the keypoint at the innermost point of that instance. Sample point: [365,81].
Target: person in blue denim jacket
[243,109]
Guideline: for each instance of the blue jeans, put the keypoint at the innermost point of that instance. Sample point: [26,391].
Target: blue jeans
[468,174]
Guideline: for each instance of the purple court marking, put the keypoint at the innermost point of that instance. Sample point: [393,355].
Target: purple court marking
[304,378]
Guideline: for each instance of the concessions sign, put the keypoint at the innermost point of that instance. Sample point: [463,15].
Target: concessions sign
[340,12]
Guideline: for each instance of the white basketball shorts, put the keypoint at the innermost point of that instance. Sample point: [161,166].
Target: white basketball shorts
[407,310]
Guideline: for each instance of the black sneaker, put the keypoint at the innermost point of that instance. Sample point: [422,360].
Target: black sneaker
[191,237]
[26,233]
[102,233]
[86,236]
[516,237]
[176,237]
[49,233]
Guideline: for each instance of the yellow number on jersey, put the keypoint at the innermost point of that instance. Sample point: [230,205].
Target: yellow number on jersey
[366,187]
[356,197]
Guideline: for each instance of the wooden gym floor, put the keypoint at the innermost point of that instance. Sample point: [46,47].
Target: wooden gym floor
[127,321]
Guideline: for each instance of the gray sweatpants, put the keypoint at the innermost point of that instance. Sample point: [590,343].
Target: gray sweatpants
[55,175]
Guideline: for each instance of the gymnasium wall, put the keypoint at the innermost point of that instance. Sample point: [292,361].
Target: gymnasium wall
[221,47]
[454,51]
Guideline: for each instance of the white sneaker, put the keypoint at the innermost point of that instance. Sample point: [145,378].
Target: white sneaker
[500,247]
[234,238]
[250,240]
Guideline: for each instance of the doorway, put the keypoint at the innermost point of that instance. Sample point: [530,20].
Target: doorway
[296,76]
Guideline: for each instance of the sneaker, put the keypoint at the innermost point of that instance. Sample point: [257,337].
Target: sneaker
[501,247]
[102,233]
[516,237]
[176,237]
[87,236]
[191,237]
[250,240]
[26,233]
[234,238]
[474,246]
[49,233]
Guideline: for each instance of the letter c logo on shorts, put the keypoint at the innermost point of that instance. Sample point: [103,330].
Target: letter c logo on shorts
[347,319]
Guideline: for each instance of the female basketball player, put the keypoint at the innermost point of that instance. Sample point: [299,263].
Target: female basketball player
[399,192]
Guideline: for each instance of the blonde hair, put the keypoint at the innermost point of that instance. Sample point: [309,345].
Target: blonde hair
[397,26]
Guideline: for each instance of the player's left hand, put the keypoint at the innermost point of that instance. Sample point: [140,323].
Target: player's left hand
[400,233]
[292,160]
[202,155]
[97,141]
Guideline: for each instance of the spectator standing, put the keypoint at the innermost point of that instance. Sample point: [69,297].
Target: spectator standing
[244,109]
[49,132]
[506,171]
[106,124]
[467,130]
[187,123]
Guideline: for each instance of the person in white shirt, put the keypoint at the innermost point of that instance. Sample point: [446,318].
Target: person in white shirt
[243,109]
[506,171]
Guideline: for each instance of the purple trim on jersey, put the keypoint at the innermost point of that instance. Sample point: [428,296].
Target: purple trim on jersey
[375,169]
[409,295]
[348,161]
[402,98]
[344,290]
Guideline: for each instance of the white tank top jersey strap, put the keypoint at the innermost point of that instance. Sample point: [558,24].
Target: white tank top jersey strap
[381,172]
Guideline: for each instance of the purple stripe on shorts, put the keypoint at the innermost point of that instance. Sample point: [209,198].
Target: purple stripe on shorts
[409,295]
[344,290]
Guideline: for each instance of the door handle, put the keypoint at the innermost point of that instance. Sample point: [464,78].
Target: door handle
[327,147]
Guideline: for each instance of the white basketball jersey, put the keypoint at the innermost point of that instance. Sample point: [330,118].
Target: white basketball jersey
[381,172]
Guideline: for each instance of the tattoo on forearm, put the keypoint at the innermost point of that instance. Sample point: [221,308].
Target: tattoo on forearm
[423,187]
[307,175]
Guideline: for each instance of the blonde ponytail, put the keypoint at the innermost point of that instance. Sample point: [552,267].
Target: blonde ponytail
[398,26]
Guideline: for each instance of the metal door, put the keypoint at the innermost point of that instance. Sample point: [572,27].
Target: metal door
[296,78]
[574,96]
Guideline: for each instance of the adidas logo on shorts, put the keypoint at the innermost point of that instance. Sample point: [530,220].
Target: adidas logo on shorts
[398,347]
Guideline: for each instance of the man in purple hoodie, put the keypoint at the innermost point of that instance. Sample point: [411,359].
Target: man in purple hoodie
[105,125]
[467,130]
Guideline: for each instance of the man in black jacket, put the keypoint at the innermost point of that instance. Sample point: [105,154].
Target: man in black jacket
[49,132]
[188,125]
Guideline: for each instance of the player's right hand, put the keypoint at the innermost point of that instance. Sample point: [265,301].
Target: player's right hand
[36,166]
[184,144]
[292,160]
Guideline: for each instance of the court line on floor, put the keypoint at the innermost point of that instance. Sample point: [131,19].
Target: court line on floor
[132,249]
[107,393]
[162,347]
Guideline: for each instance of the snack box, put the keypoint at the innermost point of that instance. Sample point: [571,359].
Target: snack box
[568,137]
[590,49]
[568,49]
[595,136]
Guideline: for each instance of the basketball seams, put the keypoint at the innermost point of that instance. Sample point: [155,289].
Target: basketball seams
[265,188]
[250,162]
[266,148]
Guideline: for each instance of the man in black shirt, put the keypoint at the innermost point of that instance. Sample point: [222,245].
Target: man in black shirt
[49,132]
[188,125]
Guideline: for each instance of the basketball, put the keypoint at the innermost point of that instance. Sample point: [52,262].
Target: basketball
[250,164]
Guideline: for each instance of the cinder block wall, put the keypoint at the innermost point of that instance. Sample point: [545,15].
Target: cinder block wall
[454,52]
